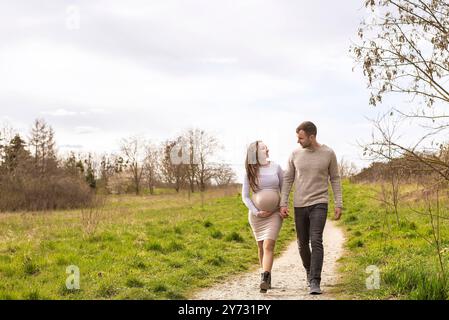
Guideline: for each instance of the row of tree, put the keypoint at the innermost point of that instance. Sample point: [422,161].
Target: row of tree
[185,162]
[408,168]
[33,176]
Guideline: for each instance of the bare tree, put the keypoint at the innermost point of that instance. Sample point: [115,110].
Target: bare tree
[92,215]
[436,214]
[71,165]
[202,170]
[91,169]
[346,168]
[42,144]
[151,165]
[109,166]
[224,175]
[384,149]
[173,172]
[405,49]
[133,149]
[7,133]
[386,144]
[190,143]
[207,146]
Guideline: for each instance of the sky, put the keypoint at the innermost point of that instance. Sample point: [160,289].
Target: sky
[246,70]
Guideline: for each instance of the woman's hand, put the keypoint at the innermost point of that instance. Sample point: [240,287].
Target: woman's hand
[283,212]
[264,214]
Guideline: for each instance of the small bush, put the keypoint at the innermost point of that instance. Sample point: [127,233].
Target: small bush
[54,192]
[160,288]
[216,234]
[154,246]
[172,295]
[351,218]
[33,295]
[412,226]
[30,267]
[175,246]
[139,264]
[356,243]
[107,290]
[175,264]
[134,283]
[217,261]
[234,236]
[177,230]
[207,224]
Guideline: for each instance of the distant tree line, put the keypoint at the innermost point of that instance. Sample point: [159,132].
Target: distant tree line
[408,168]
[184,162]
[34,177]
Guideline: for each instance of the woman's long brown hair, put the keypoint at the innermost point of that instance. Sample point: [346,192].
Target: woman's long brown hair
[252,167]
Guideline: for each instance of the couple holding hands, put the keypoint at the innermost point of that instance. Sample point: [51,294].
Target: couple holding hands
[310,167]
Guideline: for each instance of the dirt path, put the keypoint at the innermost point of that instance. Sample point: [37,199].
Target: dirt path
[288,275]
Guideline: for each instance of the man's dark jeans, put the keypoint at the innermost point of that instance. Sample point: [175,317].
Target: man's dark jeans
[310,222]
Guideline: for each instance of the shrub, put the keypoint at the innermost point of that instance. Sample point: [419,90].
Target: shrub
[234,236]
[134,283]
[57,191]
[216,234]
[29,266]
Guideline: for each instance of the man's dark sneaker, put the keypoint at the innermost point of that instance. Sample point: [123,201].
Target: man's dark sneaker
[315,287]
[264,283]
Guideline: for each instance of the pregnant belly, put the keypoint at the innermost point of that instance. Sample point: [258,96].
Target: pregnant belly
[267,200]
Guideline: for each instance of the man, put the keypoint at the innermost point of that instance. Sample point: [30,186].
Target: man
[310,167]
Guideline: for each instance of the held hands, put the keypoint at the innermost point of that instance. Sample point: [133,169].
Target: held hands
[284,212]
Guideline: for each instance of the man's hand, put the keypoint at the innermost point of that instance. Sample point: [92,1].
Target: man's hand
[264,214]
[337,213]
[284,212]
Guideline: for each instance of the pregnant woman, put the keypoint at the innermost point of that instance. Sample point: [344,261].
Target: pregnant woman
[264,179]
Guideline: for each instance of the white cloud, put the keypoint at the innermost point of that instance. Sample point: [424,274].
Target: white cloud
[70,146]
[86,130]
[245,70]
[60,113]
[219,60]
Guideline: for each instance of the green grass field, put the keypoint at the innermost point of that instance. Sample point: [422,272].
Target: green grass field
[167,245]
[408,264]
[147,247]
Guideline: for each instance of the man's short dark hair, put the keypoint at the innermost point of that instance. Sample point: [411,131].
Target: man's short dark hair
[308,127]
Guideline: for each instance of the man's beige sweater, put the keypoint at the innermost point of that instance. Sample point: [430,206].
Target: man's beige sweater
[311,171]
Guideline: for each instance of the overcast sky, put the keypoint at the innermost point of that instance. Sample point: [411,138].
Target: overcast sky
[98,71]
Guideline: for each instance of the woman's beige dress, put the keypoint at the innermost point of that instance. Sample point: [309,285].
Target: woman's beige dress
[265,199]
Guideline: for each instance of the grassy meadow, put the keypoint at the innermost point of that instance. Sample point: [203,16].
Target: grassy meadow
[404,253]
[167,245]
[148,247]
